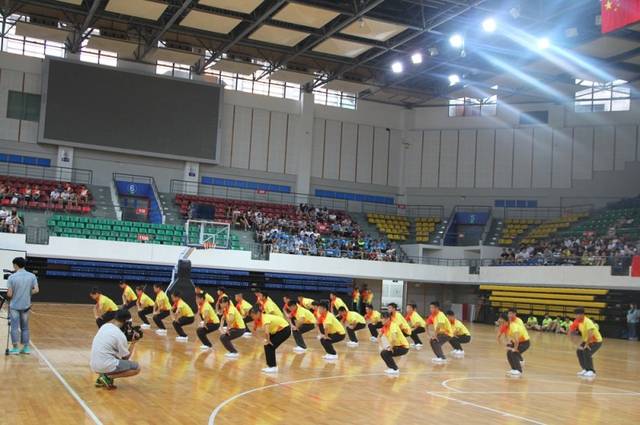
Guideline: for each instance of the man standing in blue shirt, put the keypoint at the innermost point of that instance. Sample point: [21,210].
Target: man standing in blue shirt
[21,285]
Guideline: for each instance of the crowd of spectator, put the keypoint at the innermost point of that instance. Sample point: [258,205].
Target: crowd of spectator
[309,230]
[10,221]
[586,251]
[18,193]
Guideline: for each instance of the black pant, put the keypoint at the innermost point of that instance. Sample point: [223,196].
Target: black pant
[157,318]
[142,314]
[327,344]
[182,321]
[585,356]
[232,334]
[106,317]
[457,340]
[515,358]
[129,305]
[436,345]
[207,329]
[373,328]
[247,320]
[275,340]
[388,355]
[352,331]
[414,334]
[297,334]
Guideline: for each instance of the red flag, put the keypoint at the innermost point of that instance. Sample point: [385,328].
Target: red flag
[619,13]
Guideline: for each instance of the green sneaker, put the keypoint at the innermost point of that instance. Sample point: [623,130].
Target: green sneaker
[25,350]
[105,382]
[14,351]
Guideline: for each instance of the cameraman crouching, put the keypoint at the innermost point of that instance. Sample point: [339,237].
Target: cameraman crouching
[110,352]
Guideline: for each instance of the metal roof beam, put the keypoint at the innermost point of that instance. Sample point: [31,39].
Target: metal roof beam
[75,39]
[158,36]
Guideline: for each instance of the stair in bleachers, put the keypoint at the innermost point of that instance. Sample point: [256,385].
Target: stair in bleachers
[170,208]
[104,203]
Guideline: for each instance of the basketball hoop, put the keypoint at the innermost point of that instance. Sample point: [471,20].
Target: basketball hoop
[208,245]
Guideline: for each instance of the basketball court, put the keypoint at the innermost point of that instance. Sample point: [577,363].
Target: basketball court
[179,384]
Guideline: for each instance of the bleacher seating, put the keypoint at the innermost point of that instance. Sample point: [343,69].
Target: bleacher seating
[396,228]
[514,227]
[21,185]
[222,205]
[624,221]
[123,231]
[538,301]
[550,227]
[425,226]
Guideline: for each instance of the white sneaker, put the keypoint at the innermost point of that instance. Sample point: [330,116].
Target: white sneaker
[270,369]
[232,355]
[330,357]
[581,373]
[182,338]
[352,344]
[319,336]
[522,362]
[412,344]
[438,360]
[205,348]
[145,326]
[373,339]
[299,349]
[161,332]
[514,372]
[589,374]
[223,329]
[392,371]
[418,346]
[247,335]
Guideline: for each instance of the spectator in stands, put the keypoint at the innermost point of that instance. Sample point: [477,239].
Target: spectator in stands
[3,216]
[17,197]
[532,322]
[633,317]
[83,194]
[65,196]
[13,222]
[4,191]
[54,196]
[35,194]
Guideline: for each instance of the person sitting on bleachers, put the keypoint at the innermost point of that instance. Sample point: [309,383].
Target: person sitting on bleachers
[3,216]
[17,197]
[54,196]
[12,222]
[83,195]
[35,193]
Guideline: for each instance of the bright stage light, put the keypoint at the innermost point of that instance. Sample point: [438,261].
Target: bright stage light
[456,40]
[397,67]
[454,79]
[543,43]
[489,25]
[416,58]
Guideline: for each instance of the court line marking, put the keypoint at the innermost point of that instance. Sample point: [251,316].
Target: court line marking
[70,389]
[540,392]
[489,409]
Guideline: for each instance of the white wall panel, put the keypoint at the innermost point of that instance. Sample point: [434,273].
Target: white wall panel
[394,157]
[583,153]
[291,148]
[9,80]
[33,83]
[227,134]
[380,155]
[317,148]
[365,154]
[241,137]
[625,148]
[430,158]
[484,158]
[522,157]
[542,153]
[449,158]
[332,136]
[467,158]
[603,149]
[413,159]
[259,140]
[503,169]
[277,142]
[348,152]
[562,148]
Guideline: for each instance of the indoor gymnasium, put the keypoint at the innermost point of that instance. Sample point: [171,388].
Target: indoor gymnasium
[316,211]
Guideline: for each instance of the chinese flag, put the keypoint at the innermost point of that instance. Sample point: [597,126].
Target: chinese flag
[619,13]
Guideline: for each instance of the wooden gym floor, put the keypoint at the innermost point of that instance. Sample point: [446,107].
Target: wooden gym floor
[181,385]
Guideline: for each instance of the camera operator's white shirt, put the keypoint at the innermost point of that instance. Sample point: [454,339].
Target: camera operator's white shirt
[109,346]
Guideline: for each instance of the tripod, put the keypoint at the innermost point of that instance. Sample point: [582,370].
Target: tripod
[3,298]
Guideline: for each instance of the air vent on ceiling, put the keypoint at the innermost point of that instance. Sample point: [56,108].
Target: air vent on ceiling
[47,22]
[119,35]
[178,46]
[534,118]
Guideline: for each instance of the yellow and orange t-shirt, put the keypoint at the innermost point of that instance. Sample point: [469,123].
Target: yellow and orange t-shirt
[584,326]
[182,309]
[208,314]
[394,335]
[106,304]
[331,324]
[128,294]
[440,323]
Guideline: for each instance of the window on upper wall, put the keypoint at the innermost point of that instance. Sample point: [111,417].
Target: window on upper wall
[101,57]
[28,46]
[254,84]
[474,107]
[335,98]
[172,69]
[610,96]
[23,106]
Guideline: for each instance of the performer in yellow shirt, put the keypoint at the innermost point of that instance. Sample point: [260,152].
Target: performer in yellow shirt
[267,305]
[276,331]
[182,315]
[207,297]
[517,340]
[305,302]
[232,326]
[145,306]
[302,321]
[355,299]
[591,342]
[460,336]
[394,343]
[105,309]
[209,320]
[417,324]
[353,322]
[398,319]
[161,310]
[374,321]
[129,297]
[244,307]
[335,302]
[331,329]
[441,331]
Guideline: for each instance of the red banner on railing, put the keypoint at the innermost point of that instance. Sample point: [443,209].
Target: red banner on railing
[635,266]
[143,238]
[141,211]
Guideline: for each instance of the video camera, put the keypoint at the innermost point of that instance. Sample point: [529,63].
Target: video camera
[6,273]
[133,333]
